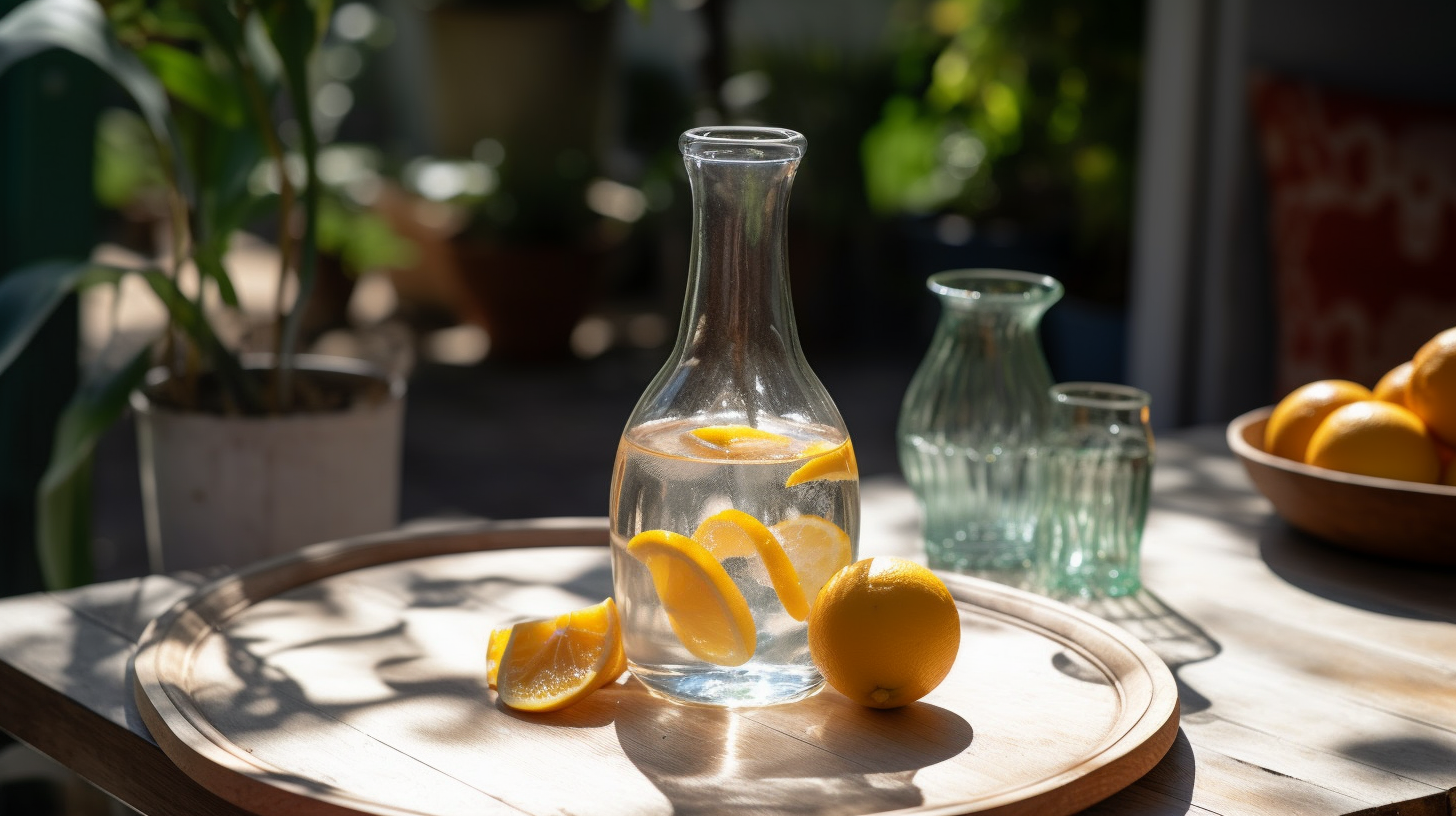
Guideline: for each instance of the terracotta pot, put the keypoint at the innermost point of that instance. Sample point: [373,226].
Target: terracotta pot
[527,298]
[230,490]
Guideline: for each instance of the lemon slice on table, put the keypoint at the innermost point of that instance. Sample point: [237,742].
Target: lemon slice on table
[706,610]
[737,442]
[817,547]
[496,649]
[549,664]
[837,465]
[616,664]
[735,533]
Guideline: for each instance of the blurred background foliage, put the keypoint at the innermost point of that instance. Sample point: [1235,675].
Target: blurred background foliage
[942,133]
[464,140]
[1023,110]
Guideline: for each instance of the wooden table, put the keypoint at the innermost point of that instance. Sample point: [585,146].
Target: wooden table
[1311,680]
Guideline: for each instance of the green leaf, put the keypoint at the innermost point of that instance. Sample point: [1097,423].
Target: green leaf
[188,316]
[230,154]
[63,528]
[63,502]
[222,25]
[126,159]
[189,78]
[168,20]
[230,159]
[209,261]
[30,294]
[363,239]
[224,202]
[81,27]
[293,28]
[323,14]
[236,41]
[899,160]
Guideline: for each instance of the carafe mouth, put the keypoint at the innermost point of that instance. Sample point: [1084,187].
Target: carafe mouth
[996,286]
[743,144]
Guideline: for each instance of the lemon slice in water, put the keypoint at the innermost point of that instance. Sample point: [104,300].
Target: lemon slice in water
[705,608]
[737,442]
[817,548]
[735,533]
[835,466]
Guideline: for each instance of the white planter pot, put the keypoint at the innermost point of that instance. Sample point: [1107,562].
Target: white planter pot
[229,490]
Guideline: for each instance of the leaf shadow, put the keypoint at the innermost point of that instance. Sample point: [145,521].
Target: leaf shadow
[1174,638]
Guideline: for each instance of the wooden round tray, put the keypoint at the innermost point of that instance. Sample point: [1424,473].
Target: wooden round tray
[350,679]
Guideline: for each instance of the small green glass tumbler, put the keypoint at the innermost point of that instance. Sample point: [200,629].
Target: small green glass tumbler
[1096,464]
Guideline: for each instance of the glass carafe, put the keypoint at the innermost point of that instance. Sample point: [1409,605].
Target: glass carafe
[735,493]
[972,419]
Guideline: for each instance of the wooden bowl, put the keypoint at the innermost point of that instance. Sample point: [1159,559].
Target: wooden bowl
[1386,517]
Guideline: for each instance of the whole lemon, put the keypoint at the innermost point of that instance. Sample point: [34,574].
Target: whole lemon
[884,631]
[1296,416]
[1375,438]
[1432,390]
[1392,386]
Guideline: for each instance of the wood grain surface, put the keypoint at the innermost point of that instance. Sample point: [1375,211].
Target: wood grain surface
[291,690]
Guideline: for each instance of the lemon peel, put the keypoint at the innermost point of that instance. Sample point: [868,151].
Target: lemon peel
[738,442]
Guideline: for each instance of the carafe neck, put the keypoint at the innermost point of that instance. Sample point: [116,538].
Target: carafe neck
[738,297]
[737,360]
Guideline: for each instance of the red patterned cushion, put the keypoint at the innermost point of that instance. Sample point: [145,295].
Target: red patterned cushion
[1362,195]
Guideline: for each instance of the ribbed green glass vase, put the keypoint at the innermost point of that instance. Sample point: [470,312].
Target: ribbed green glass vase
[972,419]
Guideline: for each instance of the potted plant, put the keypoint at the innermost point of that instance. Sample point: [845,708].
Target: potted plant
[223,86]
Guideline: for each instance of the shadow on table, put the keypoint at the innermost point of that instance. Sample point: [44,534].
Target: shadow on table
[1383,586]
[1166,790]
[826,756]
[1175,639]
[1411,755]
[1436,804]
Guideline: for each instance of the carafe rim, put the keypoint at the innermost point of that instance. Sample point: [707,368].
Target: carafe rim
[748,144]
[970,284]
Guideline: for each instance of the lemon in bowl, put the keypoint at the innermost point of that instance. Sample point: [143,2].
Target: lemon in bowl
[1375,438]
[1393,518]
[1431,392]
[1296,417]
